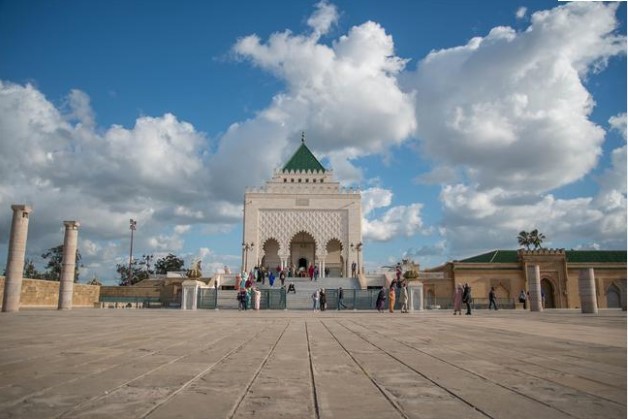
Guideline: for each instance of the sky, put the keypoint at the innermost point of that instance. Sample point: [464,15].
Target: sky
[462,122]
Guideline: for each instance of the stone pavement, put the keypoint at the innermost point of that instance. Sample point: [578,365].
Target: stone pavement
[225,364]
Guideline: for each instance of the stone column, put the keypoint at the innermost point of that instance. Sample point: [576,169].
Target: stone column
[68,266]
[415,291]
[534,285]
[15,258]
[586,284]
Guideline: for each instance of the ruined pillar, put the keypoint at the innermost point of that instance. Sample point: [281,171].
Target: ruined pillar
[534,287]
[415,291]
[586,285]
[68,266]
[15,258]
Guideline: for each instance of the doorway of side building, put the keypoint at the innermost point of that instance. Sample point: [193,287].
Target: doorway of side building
[613,299]
[548,292]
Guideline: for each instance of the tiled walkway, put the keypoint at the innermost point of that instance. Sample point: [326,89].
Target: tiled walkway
[224,364]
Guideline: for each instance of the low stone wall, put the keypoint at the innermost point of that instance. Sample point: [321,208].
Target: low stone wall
[45,294]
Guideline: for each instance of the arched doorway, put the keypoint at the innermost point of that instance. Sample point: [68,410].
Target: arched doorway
[548,292]
[271,254]
[613,297]
[334,262]
[302,251]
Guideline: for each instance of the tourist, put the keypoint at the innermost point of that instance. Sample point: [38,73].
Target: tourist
[315,297]
[398,272]
[310,272]
[353,269]
[458,300]
[248,283]
[341,297]
[323,299]
[466,298]
[291,288]
[258,297]
[523,299]
[242,299]
[391,299]
[404,298]
[492,299]
[381,298]
[282,277]
[271,278]
[248,298]
[243,280]
[316,273]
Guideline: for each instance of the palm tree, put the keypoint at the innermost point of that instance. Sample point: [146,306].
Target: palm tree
[524,239]
[536,239]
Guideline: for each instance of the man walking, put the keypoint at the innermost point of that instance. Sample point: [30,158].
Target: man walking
[466,298]
[341,298]
[492,299]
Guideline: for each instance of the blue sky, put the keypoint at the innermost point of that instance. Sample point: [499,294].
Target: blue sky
[463,122]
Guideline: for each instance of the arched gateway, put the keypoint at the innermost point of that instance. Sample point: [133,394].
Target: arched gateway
[302,217]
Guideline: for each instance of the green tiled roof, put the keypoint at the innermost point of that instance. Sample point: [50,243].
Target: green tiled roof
[304,160]
[496,256]
[607,256]
[573,256]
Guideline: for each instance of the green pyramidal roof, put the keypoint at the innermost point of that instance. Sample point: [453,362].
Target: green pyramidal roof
[304,160]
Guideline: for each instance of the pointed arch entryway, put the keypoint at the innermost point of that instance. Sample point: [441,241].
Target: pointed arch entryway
[302,251]
[548,292]
[613,297]
[270,254]
[334,262]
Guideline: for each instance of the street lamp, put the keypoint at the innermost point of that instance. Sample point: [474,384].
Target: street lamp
[245,249]
[132,226]
[358,248]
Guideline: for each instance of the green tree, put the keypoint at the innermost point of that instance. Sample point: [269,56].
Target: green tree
[138,273]
[30,271]
[54,255]
[532,238]
[168,264]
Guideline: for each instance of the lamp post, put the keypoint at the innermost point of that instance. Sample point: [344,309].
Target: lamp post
[358,248]
[132,226]
[245,249]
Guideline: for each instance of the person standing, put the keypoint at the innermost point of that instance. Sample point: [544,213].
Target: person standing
[341,298]
[310,272]
[353,269]
[249,291]
[458,300]
[523,298]
[492,299]
[316,273]
[315,297]
[323,299]
[466,298]
[391,299]
[381,298]
[282,277]
[404,298]
[271,278]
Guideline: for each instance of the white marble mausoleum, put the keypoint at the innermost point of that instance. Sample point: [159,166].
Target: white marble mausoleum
[302,217]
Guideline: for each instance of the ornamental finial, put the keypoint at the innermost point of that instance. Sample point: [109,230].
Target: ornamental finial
[303,137]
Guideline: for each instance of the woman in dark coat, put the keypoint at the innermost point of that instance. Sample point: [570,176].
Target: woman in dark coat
[323,300]
[381,298]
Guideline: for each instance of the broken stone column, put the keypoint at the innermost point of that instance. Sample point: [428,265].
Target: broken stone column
[68,266]
[15,258]
[534,286]
[586,284]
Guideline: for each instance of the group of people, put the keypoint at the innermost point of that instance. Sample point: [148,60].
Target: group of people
[462,295]
[396,286]
[249,298]
[319,300]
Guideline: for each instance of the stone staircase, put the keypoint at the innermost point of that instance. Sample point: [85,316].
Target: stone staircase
[305,288]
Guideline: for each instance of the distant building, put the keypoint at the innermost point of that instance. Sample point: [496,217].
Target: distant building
[560,269]
[302,217]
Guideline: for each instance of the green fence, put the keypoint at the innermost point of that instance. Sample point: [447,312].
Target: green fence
[207,298]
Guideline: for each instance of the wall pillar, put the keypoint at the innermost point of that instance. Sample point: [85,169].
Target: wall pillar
[68,267]
[534,285]
[586,285]
[15,258]
[415,292]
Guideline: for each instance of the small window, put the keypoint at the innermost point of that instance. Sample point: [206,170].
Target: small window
[307,181]
[299,180]
[292,180]
[314,180]
[285,180]
[322,180]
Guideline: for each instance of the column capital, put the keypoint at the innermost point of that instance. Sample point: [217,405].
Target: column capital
[21,207]
[71,225]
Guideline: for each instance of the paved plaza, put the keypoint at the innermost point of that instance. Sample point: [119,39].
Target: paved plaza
[299,364]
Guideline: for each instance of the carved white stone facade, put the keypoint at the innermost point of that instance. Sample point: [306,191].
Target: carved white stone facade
[302,216]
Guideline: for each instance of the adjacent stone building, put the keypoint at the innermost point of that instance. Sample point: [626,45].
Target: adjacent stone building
[506,270]
[302,217]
